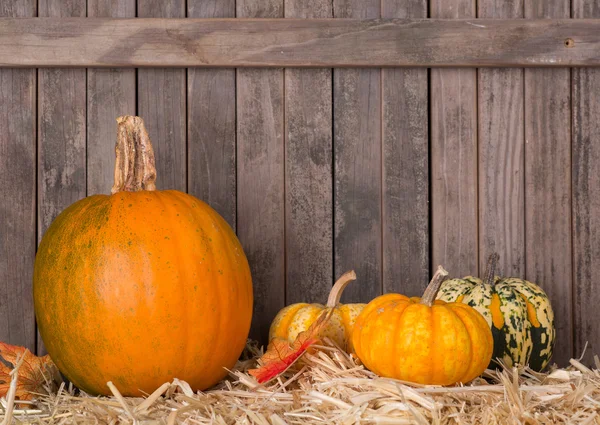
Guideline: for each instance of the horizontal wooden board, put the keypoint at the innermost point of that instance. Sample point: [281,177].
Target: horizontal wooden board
[154,42]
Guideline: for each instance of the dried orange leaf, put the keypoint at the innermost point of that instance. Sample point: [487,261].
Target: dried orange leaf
[281,355]
[34,373]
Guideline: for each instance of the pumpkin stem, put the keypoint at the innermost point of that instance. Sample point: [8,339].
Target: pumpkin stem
[134,167]
[490,270]
[338,288]
[434,286]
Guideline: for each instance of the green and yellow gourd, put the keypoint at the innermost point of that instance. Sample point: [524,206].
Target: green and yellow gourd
[518,312]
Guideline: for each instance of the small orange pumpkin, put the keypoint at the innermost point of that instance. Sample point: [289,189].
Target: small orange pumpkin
[296,318]
[417,340]
[141,286]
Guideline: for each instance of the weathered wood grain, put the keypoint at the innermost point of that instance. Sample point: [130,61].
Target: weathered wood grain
[357,136]
[18,9]
[405,168]
[501,156]
[61,9]
[61,131]
[211,124]
[454,158]
[586,211]
[162,104]
[17,194]
[110,93]
[111,8]
[548,196]
[548,223]
[357,148]
[261,169]
[586,199]
[298,42]
[308,172]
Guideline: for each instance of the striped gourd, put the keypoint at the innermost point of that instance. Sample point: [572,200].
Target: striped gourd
[518,312]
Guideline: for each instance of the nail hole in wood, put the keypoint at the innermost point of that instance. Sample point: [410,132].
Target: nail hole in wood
[569,42]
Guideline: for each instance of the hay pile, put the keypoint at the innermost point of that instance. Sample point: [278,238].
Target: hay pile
[329,387]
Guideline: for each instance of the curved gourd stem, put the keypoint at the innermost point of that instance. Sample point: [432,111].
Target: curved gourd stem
[338,288]
[134,167]
[434,286]
[490,270]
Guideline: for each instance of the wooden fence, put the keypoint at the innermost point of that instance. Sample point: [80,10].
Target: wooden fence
[389,171]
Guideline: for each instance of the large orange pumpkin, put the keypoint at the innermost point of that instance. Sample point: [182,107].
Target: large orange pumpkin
[141,286]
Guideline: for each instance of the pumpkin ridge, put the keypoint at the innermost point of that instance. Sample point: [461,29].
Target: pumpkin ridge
[452,337]
[200,218]
[398,309]
[204,215]
[186,352]
[516,330]
[531,313]
[437,352]
[476,327]
[357,331]
[542,337]
[303,318]
[350,313]
[361,321]
[395,312]
[430,373]
[497,316]
[283,320]
[75,220]
[471,363]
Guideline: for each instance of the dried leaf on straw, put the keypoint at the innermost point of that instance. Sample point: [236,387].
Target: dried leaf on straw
[281,355]
[34,373]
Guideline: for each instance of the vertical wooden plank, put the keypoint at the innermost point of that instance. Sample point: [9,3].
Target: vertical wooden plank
[162,105]
[17,194]
[357,175]
[260,166]
[405,168]
[454,157]
[61,130]
[586,198]
[501,156]
[308,172]
[211,124]
[548,184]
[110,93]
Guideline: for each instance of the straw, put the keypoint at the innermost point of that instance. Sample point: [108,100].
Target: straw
[328,386]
